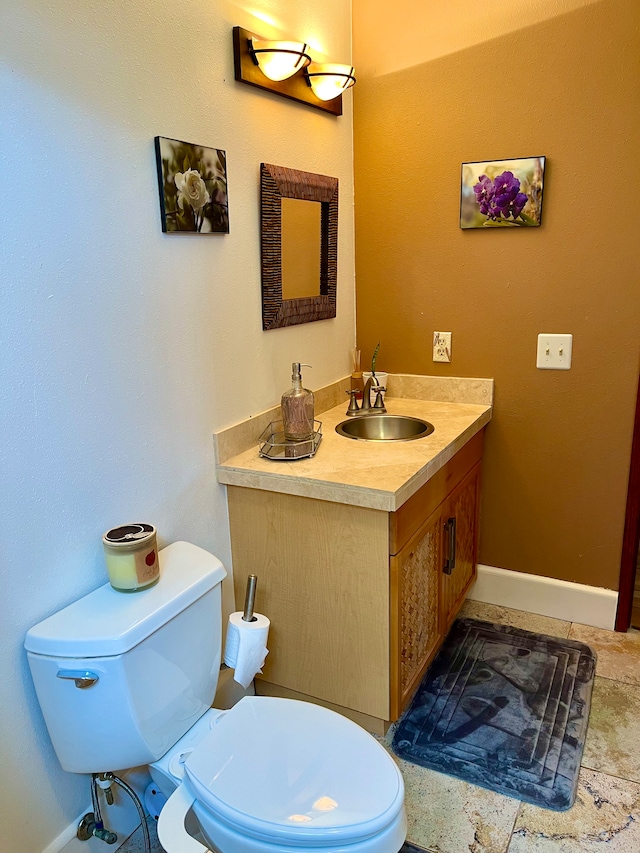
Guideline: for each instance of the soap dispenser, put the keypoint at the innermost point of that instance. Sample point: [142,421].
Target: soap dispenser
[297,408]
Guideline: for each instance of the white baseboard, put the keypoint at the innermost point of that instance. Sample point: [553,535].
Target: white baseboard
[572,602]
[61,841]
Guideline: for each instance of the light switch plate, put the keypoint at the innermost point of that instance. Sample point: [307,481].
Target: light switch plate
[554,352]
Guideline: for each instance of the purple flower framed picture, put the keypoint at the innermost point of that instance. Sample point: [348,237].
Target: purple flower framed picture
[502,193]
[193,187]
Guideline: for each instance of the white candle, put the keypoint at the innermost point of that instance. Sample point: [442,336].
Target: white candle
[131,556]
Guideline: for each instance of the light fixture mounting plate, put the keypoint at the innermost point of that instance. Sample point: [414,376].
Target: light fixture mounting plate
[296,88]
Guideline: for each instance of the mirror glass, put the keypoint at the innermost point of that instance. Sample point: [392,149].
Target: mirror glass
[300,248]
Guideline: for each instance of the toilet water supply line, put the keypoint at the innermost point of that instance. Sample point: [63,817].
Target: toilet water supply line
[98,830]
[105,780]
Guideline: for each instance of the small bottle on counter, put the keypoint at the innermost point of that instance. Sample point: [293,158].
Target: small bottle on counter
[297,408]
[357,380]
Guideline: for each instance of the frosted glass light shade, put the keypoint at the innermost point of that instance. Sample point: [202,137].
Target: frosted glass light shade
[328,80]
[279,60]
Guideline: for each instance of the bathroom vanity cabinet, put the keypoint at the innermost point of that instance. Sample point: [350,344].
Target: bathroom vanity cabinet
[359,599]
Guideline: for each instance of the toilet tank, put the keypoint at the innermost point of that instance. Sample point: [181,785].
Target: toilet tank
[120,677]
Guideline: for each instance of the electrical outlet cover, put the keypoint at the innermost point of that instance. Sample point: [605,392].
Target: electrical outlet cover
[442,346]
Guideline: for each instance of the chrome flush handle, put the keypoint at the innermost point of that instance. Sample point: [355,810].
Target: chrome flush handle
[83,678]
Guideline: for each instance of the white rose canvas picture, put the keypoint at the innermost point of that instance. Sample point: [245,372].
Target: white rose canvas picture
[192,181]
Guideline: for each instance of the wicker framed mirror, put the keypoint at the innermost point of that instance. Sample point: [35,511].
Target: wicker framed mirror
[299,247]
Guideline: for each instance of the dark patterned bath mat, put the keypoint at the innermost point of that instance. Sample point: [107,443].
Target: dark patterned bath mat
[505,709]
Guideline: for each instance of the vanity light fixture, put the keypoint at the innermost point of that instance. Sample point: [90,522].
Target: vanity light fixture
[286,68]
[329,80]
[279,60]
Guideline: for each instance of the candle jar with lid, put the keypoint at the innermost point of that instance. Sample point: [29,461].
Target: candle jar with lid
[131,554]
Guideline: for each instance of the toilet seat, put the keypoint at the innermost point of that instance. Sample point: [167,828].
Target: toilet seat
[294,773]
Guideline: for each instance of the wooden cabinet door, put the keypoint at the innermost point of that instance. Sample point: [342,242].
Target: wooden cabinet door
[416,630]
[461,510]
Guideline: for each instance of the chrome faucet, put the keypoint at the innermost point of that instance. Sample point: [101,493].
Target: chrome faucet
[366,408]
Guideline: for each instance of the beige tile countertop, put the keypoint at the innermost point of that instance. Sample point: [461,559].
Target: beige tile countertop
[380,475]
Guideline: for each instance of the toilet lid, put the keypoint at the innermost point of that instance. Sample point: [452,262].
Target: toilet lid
[282,769]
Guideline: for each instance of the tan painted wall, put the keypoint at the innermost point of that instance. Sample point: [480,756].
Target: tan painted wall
[557,451]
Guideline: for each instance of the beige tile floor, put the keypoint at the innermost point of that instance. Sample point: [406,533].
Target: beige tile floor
[450,816]
[447,815]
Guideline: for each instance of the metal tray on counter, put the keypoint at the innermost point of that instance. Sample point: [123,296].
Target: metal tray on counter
[273,444]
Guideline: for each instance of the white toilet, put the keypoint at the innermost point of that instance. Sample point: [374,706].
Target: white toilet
[128,679]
